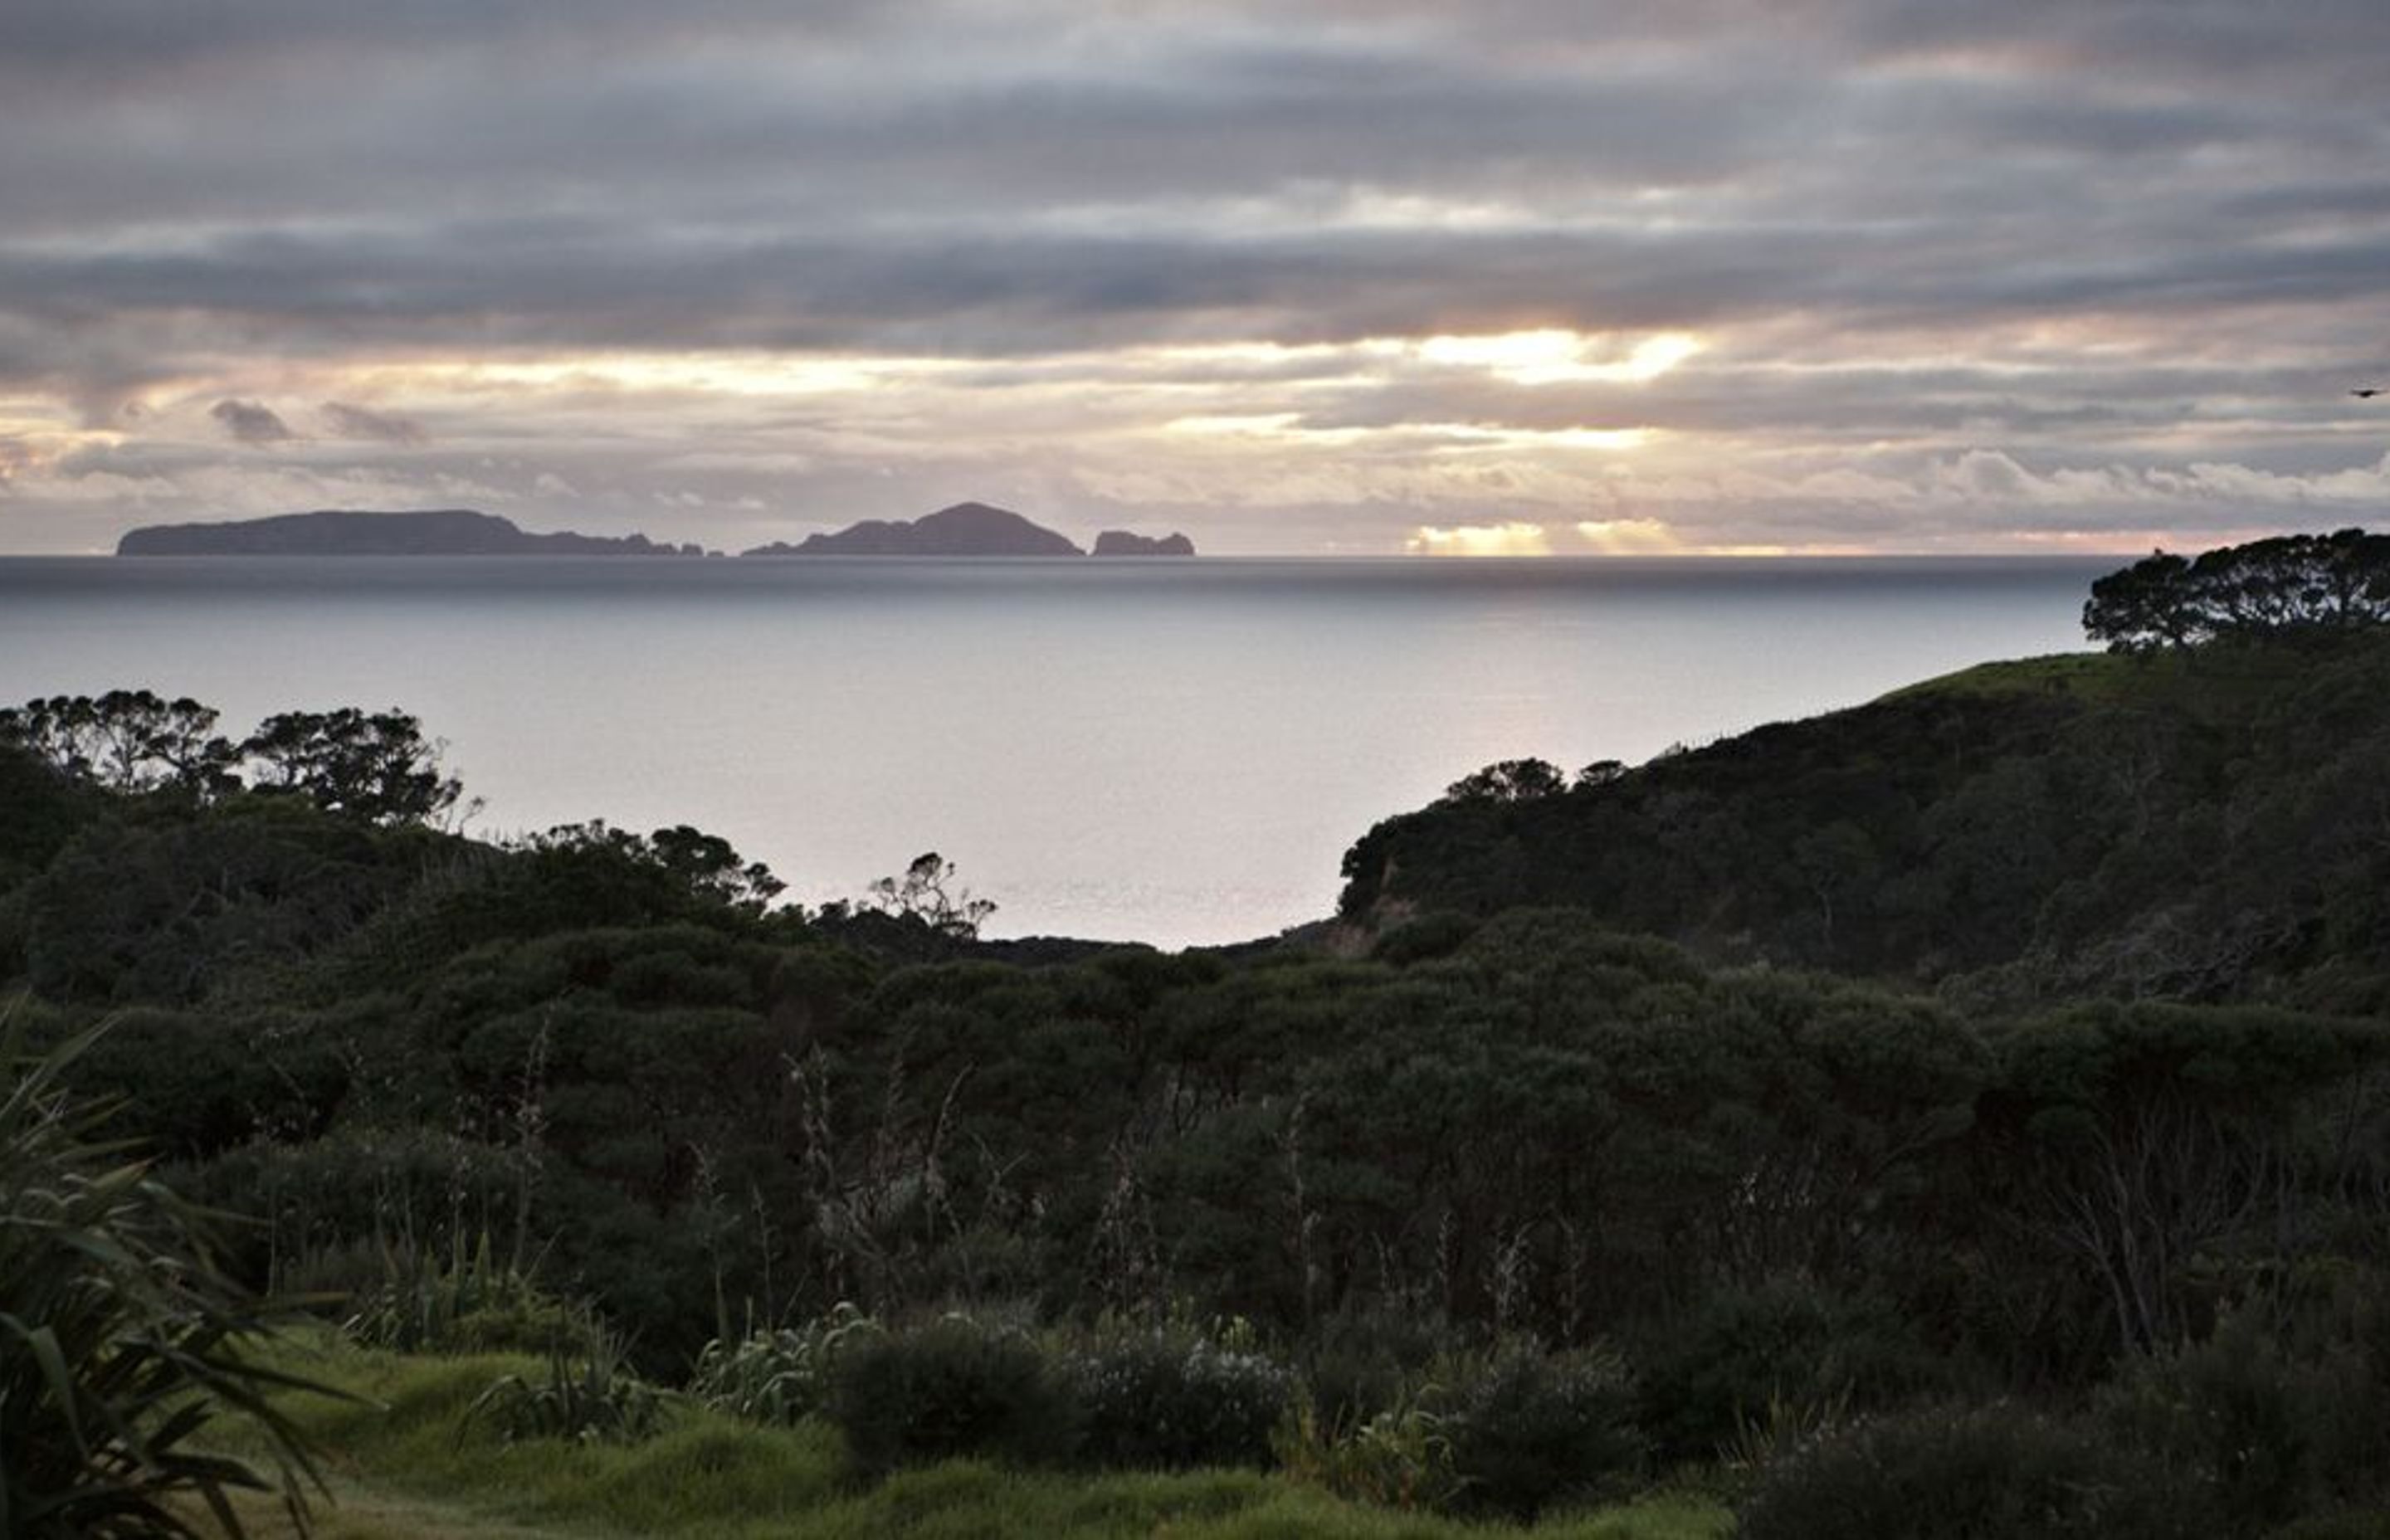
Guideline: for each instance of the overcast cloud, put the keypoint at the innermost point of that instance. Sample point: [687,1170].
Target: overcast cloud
[1691,274]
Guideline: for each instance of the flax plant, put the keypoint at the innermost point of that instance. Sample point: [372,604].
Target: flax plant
[120,1336]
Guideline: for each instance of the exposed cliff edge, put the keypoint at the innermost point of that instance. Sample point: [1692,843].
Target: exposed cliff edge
[341,531]
[965,529]
[1127,543]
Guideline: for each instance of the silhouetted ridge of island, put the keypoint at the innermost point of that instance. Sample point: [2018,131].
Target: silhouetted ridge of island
[965,529]
[1127,543]
[341,531]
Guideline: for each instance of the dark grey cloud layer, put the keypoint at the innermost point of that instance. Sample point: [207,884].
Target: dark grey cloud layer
[2147,233]
[250,422]
[364,422]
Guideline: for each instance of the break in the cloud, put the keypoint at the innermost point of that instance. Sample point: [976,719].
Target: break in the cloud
[1367,277]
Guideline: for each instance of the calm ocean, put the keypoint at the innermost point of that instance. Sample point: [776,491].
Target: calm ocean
[1170,752]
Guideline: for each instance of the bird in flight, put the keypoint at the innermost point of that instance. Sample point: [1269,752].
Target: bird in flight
[2369,392]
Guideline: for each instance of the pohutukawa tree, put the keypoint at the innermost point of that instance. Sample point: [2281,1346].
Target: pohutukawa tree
[127,740]
[2290,584]
[376,766]
[924,894]
[709,865]
[1510,780]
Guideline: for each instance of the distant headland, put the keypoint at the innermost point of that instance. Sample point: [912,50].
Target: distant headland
[1125,543]
[968,529]
[342,532]
[964,529]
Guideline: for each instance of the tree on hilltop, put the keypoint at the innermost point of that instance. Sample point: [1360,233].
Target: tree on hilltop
[127,740]
[923,893]
[706,865]
[2294,582]
[1510,780]
[376,766]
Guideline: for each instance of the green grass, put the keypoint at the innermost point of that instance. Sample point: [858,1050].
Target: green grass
[2207,684]
[2085,675]
[399,1468]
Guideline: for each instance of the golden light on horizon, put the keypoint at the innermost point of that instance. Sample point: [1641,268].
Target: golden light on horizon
[35,433]
[1630,536]
[1603,440]
[1277,428]
[1554,355]
[1517,538]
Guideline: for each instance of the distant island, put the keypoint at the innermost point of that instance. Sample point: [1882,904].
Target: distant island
[341,531]
[968,530]
[1125,543]
[964,529]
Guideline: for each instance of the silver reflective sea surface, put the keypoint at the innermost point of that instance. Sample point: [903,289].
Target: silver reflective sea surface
[1171,751]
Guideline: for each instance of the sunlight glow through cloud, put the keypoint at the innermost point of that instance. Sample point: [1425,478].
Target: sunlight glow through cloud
[1630,536]
[1297,280]
[1605,440]
[1553,356]
[1465,540]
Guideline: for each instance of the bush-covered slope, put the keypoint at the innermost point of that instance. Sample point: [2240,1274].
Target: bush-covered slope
[2209,824]
[1650,1193]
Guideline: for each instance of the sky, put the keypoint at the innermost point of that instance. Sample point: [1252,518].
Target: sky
[1343,277]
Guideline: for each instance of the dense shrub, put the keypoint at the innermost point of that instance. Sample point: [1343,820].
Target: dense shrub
[1528,1430]
[1506,1433]
[957,1386]
[1995,1473]
[336,1204]
[1436,934]
[1172,1399]
[2348,1524]
[781,1377]
[1368,1359]
[1787,1346]
[2274,1432]
[113,916]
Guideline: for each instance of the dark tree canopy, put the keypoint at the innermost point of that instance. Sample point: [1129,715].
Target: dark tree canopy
[928,893]
[126,741]
[376,766]
[2203,825]
[1510,780]
[2267,587]
[706,863]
